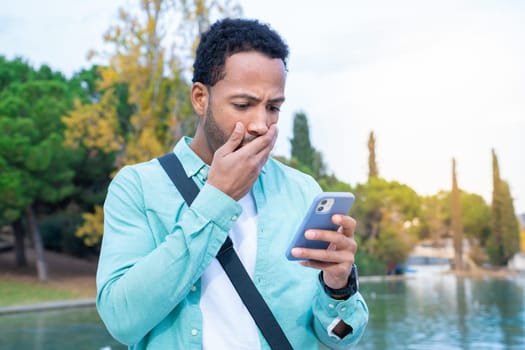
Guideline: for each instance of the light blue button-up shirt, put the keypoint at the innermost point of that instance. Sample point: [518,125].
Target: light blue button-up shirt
[155,249]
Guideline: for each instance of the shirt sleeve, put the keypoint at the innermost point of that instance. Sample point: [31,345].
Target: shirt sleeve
[140,280]
[327,311]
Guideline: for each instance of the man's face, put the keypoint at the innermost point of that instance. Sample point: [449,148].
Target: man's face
[251,92]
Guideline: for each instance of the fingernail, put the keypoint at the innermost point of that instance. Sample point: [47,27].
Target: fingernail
[310,234]
[297,251]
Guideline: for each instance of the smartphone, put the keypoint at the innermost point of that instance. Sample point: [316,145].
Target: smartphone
[319,216]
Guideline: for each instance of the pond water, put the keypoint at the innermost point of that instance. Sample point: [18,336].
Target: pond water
[445,312]
[421,312]
[77,329]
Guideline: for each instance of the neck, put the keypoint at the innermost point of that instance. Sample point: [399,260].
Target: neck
[200,147]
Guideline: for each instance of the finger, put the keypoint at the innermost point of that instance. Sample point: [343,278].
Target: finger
[234,140]
[336,238]
[262,144]
[320,265]
[323,255]
[347,224]
[338,268]
[272,134]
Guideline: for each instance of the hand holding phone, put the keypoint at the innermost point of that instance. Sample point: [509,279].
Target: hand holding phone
[319,216]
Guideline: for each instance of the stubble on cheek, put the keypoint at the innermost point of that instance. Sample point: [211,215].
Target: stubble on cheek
[215,137]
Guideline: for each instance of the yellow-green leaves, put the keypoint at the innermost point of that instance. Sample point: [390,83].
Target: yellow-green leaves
[94,126]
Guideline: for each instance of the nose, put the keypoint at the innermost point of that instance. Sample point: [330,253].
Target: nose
[259,123]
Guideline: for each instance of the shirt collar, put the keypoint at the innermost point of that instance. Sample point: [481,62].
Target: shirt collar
[193,164]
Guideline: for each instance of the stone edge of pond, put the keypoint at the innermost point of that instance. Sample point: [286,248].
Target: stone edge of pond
[54,305]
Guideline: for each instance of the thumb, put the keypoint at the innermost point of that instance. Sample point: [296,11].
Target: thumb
[235,138]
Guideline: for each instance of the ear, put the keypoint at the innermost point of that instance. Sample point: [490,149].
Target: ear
[199,98]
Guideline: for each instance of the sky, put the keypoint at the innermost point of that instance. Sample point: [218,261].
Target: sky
[434,80]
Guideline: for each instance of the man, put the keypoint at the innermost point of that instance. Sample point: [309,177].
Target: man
[159,283]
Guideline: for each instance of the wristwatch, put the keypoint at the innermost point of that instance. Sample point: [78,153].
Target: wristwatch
[348,291]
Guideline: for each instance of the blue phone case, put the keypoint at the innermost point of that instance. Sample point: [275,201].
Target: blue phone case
[319,216]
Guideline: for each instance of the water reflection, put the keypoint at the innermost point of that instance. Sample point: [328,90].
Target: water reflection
[445,312]
[438,312]
[77,329]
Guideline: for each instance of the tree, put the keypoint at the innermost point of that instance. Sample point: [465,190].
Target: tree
[496,241]
[143,106]
[310,160]
[372,163]
[504,240]
[388,212]
[510,225]
[374,214]
[457,224]
[435,217]
[302,149]
[521,219]
[333,184]
[34,166]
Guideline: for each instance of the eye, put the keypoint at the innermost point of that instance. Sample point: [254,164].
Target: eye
[274,109]
[241,106]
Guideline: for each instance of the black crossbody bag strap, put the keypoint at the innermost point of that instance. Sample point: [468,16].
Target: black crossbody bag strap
[232,265]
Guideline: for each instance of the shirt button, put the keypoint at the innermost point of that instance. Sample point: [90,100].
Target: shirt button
[234,218]
[193,288]
[343,309]
[194,332]
[331,306]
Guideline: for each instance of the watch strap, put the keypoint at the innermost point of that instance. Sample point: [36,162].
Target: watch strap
[350,289]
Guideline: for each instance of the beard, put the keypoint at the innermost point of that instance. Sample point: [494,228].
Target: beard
[215,136]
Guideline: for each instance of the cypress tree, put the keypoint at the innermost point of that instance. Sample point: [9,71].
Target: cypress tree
[302,149]
[504,241]
[372,164]
[495,247]
[510,226]
[456,218]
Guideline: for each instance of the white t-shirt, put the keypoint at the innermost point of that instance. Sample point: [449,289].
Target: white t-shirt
[227,324]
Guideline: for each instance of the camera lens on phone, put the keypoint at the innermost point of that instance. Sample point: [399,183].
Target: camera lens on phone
[320,208]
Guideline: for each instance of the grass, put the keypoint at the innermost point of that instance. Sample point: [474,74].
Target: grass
[20,293]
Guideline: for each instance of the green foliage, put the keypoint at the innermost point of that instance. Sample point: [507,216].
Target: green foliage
[369,265]
[19,71]
[436,215]
[58,232]
[302,149]
[505,238]
[333,184]
[31,139]
[36,170]
[475,216]
[308,159]
[399,201]
[391,246]
[387,214]
[503,245]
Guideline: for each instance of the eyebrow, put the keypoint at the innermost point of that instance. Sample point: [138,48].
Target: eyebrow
[256,99]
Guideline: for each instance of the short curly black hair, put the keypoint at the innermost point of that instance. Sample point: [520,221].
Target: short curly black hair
[229,36]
